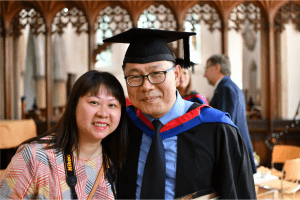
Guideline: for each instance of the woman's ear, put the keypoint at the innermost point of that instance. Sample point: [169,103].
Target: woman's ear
[177,70]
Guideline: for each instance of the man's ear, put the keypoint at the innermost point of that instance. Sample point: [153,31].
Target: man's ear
[177,70]
[218,67]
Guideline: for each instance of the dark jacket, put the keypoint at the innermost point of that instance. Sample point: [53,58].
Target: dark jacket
[228,97]
[211,156]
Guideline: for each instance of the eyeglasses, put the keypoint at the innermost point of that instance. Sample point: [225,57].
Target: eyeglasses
[154,78]
[206,68]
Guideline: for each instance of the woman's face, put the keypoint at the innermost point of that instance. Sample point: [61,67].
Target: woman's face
[97,116]
[184,78]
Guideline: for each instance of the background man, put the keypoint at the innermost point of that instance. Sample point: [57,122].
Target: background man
[228,97]
[172,150]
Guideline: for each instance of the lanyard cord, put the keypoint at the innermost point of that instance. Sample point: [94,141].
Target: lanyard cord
[109,175]
[71,178]
[70,173]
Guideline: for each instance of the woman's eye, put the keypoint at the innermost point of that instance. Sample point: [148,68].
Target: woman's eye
[112,105]
[94,102]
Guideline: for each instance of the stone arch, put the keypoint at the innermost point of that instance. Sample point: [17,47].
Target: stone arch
[287,12]
[204,12]
[112,20]
[159,16]
[243,12]
[72,15]
[164,17]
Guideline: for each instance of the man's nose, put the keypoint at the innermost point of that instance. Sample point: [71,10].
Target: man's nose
[147,85]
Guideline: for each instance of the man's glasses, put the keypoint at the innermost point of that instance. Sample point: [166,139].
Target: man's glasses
[154,78]
[208,66]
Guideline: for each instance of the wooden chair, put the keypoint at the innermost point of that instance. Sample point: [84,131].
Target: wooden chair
[273,193]
[281,153]
[13,133]
[288,184]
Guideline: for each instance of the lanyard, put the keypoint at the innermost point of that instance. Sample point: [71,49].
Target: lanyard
[70,173]
[71,178]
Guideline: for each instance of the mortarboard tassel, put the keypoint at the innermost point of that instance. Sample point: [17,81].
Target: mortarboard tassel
[186,49]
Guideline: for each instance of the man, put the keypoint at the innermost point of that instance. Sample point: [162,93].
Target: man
[198,149]
[228,97]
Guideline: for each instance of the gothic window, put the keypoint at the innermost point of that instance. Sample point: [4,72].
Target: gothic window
[201,12]
[28,16]
[287,36]
[246,12]
[104,58]
[74,16]
[26,24]
[193,17]
[288,12]
[69,24]
[157,16]
[111,21]
[244,25]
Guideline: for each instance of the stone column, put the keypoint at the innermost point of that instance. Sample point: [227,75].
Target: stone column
[40,71]
[40,85]
[2,91]
[8,57]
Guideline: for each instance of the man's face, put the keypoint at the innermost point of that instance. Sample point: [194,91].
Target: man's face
[153,99]
[210,73]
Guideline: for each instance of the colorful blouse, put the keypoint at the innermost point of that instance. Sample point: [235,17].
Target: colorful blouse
[36,173]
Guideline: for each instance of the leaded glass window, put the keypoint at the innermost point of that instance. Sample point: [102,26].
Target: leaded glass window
[111,21]
[157,16]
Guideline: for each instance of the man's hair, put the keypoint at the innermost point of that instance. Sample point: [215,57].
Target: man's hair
[224,62]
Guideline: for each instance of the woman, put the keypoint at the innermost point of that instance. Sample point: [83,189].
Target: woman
[185,85]
[91,135]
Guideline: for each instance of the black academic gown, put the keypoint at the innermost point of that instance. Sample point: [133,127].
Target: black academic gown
[210,157]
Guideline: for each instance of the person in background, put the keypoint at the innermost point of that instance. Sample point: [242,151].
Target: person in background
[175,147]
[228,97]
[88,142]
[185,86]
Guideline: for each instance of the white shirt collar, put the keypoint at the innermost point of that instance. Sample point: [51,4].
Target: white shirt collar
[217,83]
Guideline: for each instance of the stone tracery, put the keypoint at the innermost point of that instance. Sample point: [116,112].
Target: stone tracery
[28,16]
[289,11]
[74,16]
[205,12]
[242,13]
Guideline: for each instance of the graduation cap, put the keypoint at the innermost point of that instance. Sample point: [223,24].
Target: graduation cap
[150,45]
[180,61]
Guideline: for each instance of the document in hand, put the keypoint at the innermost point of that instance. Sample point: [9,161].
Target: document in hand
[202,195]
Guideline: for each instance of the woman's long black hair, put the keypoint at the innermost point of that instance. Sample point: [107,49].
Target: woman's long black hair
[65,132]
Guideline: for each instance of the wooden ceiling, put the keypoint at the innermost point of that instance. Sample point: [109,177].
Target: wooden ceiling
[135,8]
